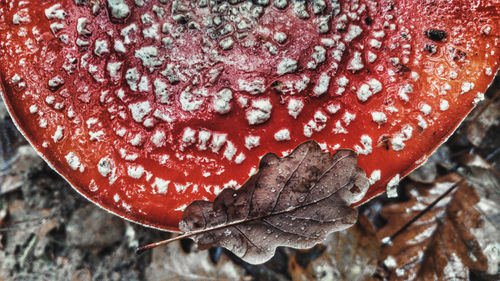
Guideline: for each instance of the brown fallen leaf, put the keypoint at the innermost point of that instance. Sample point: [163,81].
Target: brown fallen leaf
[486,181]
[483,118]
[455,238]
[294,201]
[428,172]
[349,255]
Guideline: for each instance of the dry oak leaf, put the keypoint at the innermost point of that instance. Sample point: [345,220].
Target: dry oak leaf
[294,201]
[452,241]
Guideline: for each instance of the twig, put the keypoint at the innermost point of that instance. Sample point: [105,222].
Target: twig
[388,240]
[38,220]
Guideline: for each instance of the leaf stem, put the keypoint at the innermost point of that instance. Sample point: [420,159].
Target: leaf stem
[144,248]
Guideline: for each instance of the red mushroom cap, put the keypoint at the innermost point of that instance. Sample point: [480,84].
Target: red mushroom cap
[146,106]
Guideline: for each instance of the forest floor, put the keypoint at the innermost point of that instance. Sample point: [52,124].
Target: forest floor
[49,232]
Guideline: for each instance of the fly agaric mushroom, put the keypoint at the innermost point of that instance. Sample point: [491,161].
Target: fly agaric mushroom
[146,106]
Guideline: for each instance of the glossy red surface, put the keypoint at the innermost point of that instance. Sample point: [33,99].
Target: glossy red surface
[125,145]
